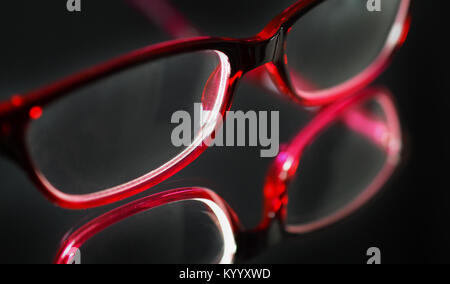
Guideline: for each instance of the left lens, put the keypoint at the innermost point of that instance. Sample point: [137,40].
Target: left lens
[186,232]
[120,128]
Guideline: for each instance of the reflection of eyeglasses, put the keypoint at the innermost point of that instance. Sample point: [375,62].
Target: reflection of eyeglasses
[195,225]
[103,135]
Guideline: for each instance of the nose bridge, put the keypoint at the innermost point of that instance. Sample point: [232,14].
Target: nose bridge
[253,243]
[256,54]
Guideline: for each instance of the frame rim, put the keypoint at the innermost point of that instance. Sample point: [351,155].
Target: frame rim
[79,237]
[282,77]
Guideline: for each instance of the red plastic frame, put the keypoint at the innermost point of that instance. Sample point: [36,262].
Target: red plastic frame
[383,133]
[241,56]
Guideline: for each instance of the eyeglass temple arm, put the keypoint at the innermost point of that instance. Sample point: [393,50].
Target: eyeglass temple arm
[166,16]
[368,126]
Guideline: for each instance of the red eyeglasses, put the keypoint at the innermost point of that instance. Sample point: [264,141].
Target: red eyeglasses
[200,227]
[104,134]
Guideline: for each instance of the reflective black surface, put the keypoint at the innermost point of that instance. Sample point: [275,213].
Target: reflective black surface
[41,42]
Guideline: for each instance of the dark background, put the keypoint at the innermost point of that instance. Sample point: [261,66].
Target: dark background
[41,42]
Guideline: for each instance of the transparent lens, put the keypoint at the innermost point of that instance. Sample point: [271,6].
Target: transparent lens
[337,40]
[344,164]
[186,232]
[119,128]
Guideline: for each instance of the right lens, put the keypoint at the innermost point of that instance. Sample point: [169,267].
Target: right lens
[337,40]
[119,128]
[184,232]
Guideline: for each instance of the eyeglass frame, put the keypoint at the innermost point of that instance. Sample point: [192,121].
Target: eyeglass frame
[266,50]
